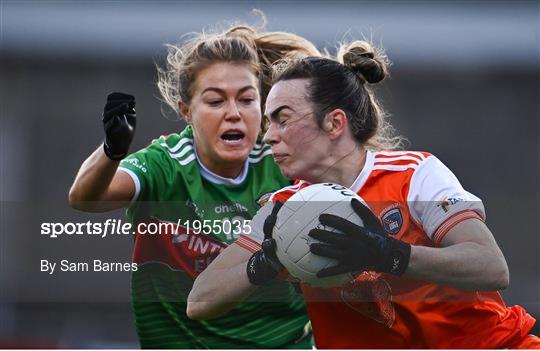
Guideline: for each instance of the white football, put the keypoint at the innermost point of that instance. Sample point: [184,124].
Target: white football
[299,214]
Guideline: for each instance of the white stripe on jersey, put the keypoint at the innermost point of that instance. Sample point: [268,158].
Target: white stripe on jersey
[178,145]
[256,152]
[290,187]
[400,153]
[395,167]
[187,160]
[182,153]
[398,158]
[258,146]
[264,154]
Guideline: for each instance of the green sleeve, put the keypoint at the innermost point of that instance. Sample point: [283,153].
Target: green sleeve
[149,168]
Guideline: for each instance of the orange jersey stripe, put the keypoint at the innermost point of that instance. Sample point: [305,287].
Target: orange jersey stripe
[248,243]
[451,222]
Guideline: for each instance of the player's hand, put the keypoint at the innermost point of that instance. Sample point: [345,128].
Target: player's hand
[359,248]
[119,124]
[264,265]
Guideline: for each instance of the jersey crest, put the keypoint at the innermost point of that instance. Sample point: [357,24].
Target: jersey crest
[264,199]
[392,220]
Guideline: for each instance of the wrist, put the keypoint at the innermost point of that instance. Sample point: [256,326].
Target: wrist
[113,156]
[259,270]
[398,257]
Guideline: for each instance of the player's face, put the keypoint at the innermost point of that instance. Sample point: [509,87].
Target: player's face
[298,144]
[225,114]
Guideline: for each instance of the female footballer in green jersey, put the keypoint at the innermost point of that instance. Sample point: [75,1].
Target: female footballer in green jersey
[208,178]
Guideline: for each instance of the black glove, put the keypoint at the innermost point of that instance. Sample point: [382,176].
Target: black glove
[264,265]
[359,248]
[119,125]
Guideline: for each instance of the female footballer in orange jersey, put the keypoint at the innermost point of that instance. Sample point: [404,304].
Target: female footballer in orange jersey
[430,267]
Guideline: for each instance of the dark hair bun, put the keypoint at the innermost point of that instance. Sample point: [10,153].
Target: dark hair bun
[369,64]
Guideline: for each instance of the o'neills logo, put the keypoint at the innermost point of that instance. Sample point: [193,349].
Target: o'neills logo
[228,208]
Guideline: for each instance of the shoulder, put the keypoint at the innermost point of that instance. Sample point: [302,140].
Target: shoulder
[399,160]
[264,171]
[285,193]
[261,154]
[389,174]
[172,152]
[402,167]
[175,147]
[168,154]
[394,168]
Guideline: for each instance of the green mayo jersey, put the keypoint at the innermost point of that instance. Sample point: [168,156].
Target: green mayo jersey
[196,215]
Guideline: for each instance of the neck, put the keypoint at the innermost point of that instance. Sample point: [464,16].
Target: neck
[342,166]
[222,169]
[231,171]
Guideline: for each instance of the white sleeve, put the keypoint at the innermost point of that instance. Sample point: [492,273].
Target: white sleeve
[437,201]
[252,240]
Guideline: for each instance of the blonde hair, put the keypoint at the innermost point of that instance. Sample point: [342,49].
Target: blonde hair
[344,82]
[241,44]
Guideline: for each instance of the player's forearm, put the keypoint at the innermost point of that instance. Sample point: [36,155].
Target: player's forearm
[467,266]
[217,291]
[92,181]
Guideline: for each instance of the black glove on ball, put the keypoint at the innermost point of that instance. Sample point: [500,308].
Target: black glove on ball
[264,265]
[119,124]
[359,248]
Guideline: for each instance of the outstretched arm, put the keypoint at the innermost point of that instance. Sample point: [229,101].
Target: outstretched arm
[237,272]
[221,286]
[99,186]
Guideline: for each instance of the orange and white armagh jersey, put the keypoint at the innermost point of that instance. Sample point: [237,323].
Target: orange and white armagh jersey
[418,200]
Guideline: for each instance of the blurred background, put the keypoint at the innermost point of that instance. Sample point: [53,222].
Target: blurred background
[464,86]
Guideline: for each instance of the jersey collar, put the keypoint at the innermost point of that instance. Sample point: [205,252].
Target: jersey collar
[364,173]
